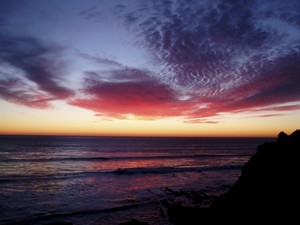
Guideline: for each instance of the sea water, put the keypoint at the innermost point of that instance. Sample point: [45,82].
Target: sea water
[108,180]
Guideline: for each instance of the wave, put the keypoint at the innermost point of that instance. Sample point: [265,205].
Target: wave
[155,170]
[55,159]
[162,170]
[46,217]
[123,158]
[117,172]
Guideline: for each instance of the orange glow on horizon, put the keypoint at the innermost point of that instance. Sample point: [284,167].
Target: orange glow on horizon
[21,120]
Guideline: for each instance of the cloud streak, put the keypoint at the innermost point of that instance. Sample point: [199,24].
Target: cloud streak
[31,73]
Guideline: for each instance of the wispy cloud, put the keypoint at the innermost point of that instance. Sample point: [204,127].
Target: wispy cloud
[32,75]
[14,90]
[268,115]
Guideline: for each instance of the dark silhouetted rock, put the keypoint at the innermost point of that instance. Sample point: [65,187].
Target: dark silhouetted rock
[282,137]
[190,216]
[267,191]
[134,222]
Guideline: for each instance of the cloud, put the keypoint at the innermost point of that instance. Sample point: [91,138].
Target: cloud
[14,90]
[197,42]
[284,107]
[229,56]
[216,57]
[274,85]
[33,71]
[269,115]
[212,57]
[125,92]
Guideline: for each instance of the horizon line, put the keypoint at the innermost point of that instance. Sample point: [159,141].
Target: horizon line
[134,136]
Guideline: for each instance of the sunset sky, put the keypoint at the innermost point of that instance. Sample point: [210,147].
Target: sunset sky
[158,68]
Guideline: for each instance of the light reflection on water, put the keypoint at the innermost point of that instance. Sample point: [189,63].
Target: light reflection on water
[66,175]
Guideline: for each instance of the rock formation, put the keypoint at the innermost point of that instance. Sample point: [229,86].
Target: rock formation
[267,191]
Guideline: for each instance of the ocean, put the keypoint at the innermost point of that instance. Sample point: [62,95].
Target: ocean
[109,180]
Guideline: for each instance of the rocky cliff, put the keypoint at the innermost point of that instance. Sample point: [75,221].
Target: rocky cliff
[267,191]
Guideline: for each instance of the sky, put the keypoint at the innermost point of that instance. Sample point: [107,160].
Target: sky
[150,68]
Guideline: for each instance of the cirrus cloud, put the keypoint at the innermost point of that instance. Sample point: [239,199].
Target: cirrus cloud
[30,72]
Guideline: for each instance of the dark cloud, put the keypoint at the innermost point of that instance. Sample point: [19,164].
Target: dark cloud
[197,42]
[14,90]
[276,84]
[35,70]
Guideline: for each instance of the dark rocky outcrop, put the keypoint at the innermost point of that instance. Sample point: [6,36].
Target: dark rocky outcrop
[267,191]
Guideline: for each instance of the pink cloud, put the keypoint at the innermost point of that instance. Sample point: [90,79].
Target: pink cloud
[135,94]
[120,91]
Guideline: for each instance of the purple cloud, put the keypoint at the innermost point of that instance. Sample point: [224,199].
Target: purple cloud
[35,70]
[229,56]
[14,90]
